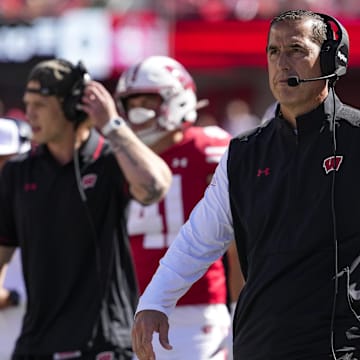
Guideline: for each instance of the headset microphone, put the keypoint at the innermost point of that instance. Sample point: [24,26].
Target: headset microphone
[295,80]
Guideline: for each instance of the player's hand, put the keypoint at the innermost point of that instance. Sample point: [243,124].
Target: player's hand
[146,323]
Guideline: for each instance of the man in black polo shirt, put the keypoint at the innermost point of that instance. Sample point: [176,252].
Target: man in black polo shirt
[64,204]
[289,193]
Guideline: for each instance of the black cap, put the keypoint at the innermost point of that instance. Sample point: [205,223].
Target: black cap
[56,77]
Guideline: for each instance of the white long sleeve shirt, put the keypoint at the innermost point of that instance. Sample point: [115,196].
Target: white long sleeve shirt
[202,239]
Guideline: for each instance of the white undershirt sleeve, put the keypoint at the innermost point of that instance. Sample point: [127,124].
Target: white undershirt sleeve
[202,240]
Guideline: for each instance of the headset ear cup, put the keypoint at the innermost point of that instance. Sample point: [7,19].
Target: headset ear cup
[327,57]
[335,49]
[72,101]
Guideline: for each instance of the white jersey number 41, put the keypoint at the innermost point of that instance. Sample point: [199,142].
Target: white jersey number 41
[149,222]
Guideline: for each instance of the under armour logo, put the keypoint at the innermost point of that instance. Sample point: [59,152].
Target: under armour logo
[30,187]
[265,172]
[332,163]
[180,162]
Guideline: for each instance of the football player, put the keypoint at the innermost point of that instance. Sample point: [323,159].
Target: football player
[158,98]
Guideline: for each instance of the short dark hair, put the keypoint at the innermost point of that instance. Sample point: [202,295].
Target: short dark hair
[319,27]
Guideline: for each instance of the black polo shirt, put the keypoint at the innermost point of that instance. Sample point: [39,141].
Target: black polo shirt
[76,261]
[282,187]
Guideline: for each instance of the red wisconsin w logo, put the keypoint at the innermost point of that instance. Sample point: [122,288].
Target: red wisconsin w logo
[89,181]
[332,163]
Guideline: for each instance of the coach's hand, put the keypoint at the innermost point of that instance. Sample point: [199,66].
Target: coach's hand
[146,323]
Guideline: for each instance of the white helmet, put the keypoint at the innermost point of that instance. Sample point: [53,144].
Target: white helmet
[168,78]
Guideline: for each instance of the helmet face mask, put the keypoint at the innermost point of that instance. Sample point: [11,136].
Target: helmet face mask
[142,114]
[168,78]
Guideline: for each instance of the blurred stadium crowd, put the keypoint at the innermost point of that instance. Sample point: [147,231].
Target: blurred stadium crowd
[181,9]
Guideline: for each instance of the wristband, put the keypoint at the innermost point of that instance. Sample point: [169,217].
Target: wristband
[111,125]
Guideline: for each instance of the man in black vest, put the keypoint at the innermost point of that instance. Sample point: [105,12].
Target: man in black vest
[288,191]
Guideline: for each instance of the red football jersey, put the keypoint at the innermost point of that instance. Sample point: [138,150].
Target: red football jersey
[153,228]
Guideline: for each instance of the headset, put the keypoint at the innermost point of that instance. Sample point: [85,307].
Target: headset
[71,101]
[334,52]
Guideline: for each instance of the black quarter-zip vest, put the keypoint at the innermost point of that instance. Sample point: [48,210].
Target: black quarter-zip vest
[294,208]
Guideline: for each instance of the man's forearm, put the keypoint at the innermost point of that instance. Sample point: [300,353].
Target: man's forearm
[148,175]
